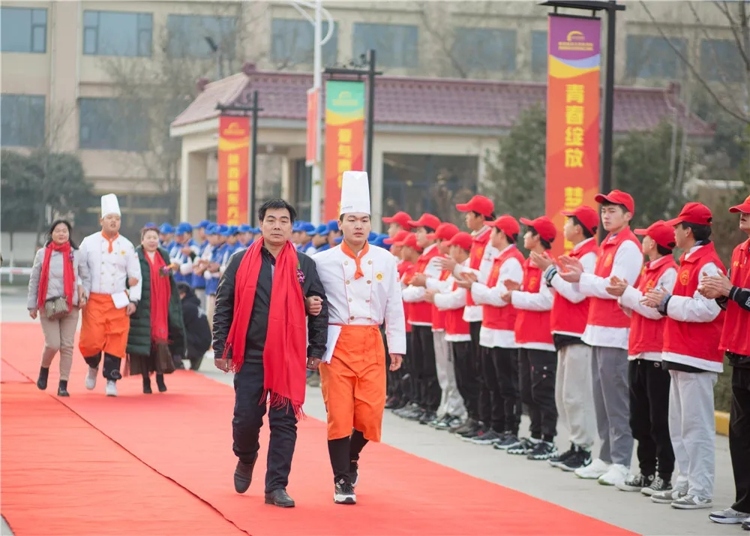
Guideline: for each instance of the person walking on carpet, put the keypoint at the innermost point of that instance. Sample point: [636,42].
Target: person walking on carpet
[261,297]
[156,331]
[197,329]
[55,297]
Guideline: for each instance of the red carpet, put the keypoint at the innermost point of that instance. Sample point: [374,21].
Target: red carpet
[185,435]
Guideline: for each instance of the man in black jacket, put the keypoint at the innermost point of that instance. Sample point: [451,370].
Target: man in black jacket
[272,281]
[197,330]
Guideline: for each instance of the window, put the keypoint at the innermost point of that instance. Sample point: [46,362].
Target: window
[653,57]
[539,52]
[486,49]
[721,60]
[114,33]
[189,36]
[23,30]
[23,120]
[396,45]
[292,42]
[113,124]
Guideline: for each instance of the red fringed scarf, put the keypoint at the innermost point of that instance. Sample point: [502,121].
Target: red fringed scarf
[161,293]
[284,356]
[69,276]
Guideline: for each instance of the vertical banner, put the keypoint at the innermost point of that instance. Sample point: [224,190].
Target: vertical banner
[312,126]
[234,143]
[573,110]
[345,132]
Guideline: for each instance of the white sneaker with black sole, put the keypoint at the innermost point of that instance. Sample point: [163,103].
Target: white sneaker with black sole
[635,482]
[343,493]
[729,516]
[593,470]
[91,378]
[659,485]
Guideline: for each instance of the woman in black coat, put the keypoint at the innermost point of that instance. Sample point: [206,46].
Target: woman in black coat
[157,331]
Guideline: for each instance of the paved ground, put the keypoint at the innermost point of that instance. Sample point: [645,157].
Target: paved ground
[628,510]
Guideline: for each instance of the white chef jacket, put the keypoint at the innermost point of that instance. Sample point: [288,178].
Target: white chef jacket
[110,271]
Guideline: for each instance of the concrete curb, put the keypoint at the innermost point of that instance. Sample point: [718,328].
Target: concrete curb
[722,422]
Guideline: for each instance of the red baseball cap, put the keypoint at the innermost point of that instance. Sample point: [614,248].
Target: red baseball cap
[426,220]
[507,224]
[409,242]
[661,232]
[744,207]
[399,218]
[694,213]
[479,204]
[444,231]
[399,237]
[588,217]
[542,225]
[617,197]
[462,240]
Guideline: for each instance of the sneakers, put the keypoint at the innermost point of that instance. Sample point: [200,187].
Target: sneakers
[453,423]
[579,460]
[593,470]
[478,431]
[659,485]
[730,516]
[557,461]
[691,502]
[544,450]
[488,438]
[669,496]
[466,428]
[616,474]
[523,446]
[354,472]
[635,482]
[509,439]
[343,493]
[91,378]
[111,388]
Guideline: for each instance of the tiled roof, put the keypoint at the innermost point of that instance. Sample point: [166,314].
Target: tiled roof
[482,104]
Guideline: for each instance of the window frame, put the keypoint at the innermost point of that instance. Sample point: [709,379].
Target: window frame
[383,59]
[140,30]
[31,100]
[33,27]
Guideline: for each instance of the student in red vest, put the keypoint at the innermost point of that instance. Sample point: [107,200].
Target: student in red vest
[451,409]
[451,303]
[570,308]
[479,214]
[607,332]
[537,360]
[649,379]
[397,223]
[497,336]
[734,296]
[691,353]
[423,348]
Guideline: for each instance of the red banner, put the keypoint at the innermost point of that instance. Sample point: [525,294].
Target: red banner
[312,126]
[234,142]
[573,110]
[345,129]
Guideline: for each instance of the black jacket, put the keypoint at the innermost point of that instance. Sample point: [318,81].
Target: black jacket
[197,330]
[317,326]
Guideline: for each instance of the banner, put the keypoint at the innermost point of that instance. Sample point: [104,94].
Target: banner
[234,142]
[574,65]
[312,126]
[345,132]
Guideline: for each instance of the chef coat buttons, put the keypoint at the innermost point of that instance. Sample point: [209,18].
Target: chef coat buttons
[369,262]
[351,318]
[368,281]
[347,281]
[346,263]
[350,299]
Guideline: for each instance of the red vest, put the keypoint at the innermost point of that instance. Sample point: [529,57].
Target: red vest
[421,312]
[735,336]
[454,320]
[647,335]
[438,316]
[566,316]
[402,267]
[532,326]
[607,313]
[478,246]
[409,270]
[695,339]
[500,318]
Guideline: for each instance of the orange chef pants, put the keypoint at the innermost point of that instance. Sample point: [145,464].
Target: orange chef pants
[104,328]
[353,383]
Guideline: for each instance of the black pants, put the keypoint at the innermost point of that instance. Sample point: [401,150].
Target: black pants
[649,416]
[485,406]
[406,373]
[395,383]
[423,352]
[466,380]
[248,419]
[497,410]
[536,372]
[111,370]
[739,437]
[505,364]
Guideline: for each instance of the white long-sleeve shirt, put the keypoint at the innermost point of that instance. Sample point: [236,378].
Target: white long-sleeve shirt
[110,271]
[473,313]
[449,299]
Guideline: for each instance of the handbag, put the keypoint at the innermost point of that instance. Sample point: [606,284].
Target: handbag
[55,308]
[164,361]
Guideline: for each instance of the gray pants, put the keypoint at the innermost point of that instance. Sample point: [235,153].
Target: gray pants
[451,402]
[59,335]
[609,370]
[573,394]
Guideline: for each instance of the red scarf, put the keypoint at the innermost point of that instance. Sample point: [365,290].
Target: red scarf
[69,277]
[284,356]
[161,293]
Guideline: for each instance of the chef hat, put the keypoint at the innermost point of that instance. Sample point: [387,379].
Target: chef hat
[355,193]
[110,205]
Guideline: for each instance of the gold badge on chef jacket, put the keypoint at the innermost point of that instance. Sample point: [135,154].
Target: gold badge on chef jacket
[379,276]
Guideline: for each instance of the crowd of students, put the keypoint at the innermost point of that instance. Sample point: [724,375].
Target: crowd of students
[611,346]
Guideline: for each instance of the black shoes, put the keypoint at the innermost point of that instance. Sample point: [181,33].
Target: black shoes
[62,388]
[278,497]
[160,383]
[243,475]
[343,493]
[354,472]
[41,383]
[147,386]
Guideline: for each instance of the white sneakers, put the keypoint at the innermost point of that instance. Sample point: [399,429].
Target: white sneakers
[593,470]
[111,388]
[616,474]
[91,378]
